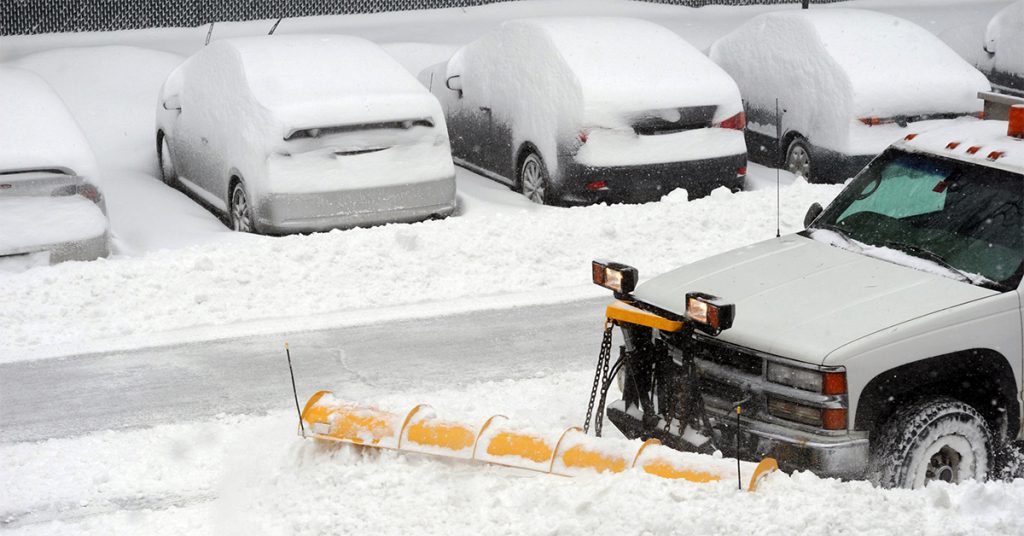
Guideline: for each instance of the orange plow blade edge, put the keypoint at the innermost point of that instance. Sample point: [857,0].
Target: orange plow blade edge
[567,452]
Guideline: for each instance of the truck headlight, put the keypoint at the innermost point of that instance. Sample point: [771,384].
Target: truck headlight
[615,276]
[709,313]
[815,381]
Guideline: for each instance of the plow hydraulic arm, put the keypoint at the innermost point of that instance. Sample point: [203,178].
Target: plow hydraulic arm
[566,452]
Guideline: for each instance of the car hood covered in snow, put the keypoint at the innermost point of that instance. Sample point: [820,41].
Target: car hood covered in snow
[802,299]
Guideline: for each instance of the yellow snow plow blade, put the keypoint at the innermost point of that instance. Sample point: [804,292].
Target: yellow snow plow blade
[567,452]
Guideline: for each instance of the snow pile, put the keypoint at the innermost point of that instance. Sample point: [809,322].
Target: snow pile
[830,67]
[541,251]
[252,475]
[1004,37]
[38,131]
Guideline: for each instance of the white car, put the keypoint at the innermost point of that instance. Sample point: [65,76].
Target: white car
[291,134]
[51,205]
[884,341]
[826,90]
[1004,48]
[584,110]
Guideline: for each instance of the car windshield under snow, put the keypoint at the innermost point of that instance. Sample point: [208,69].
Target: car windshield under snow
[965,218]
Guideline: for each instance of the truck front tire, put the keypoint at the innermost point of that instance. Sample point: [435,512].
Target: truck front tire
[935,439]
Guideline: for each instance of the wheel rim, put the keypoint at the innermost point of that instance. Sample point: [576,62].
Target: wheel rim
[533,179]
[799,161]
[166,168]
[241,219]
[950,459]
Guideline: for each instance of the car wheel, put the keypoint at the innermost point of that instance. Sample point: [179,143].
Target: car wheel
[163,154]
[533,179]
[241,212]
[798,158]
[939,439]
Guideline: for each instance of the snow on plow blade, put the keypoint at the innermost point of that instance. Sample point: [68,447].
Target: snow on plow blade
[498,441]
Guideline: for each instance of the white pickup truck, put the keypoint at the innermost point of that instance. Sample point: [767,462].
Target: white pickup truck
[882,342]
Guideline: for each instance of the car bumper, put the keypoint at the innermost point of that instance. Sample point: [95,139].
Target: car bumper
[88,249]
[283,213]
[650,182]
[827,456]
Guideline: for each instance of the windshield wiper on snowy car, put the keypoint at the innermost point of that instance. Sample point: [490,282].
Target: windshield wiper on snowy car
[839,231]
[928,254]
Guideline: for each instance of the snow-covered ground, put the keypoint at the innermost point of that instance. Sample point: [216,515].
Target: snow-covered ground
[253,475]
[180,275]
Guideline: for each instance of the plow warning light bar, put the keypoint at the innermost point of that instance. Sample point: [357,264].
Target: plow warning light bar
[709,313]
[620,278]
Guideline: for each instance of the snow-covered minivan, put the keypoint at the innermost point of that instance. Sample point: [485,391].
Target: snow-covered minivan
[294,134]
[884,341]
[585,110]
[826,90]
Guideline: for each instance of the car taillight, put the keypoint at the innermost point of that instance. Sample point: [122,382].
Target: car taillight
[89,192]
[583,136]
[736,122]
[597,185]
[741,171]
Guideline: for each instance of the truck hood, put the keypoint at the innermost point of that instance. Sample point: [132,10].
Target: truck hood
[802,299]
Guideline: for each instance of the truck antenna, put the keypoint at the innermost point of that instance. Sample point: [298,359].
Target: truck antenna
[295,392]
[778,186]
[274,27]
[209,34]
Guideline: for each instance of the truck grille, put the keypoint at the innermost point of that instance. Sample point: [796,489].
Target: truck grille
[743,362]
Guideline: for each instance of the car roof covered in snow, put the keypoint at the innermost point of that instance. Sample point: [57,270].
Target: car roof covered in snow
[618,60]
[36,129]
[892,65]
[957,142]
[283,68]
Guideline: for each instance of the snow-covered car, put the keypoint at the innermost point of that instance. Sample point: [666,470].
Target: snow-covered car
[591,109]
[826,90]
[1004,48]
[51,206]
[291,134]
[884,341]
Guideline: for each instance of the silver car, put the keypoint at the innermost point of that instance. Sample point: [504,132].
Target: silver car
[294,134]
[51,205]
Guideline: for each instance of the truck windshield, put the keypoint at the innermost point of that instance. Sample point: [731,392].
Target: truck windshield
[964,217]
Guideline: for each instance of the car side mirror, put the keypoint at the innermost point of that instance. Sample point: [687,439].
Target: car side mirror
[813,212]
[172,103]
[454,83]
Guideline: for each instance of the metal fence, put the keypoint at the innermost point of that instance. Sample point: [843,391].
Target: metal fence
[19,17]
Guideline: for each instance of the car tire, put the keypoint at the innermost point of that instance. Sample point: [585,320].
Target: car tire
[935,439]
[239,210]
[163,155]
[798,159]
[533,179]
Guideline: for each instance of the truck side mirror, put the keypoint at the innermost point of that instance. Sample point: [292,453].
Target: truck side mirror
[454,83]
[172,103]
[813,212]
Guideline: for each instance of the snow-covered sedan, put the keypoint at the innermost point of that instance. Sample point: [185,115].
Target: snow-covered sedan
[51,205]
[826,90]
[1004,50]
[591,109]
[292,134]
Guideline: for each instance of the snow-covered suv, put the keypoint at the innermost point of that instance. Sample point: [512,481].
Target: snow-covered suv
[884,341]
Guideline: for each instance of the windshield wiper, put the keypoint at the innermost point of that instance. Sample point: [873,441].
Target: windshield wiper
[928,254]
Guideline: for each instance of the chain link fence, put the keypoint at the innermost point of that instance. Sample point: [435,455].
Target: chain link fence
[20,17]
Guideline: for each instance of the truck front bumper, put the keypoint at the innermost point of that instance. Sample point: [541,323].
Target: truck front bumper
[843,457]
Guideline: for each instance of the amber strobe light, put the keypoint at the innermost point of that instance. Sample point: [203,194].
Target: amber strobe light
[615,276]
[708,312]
